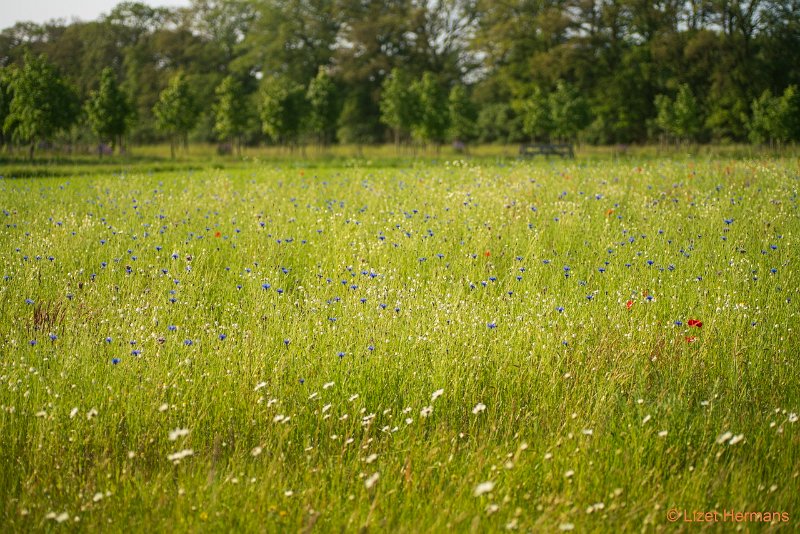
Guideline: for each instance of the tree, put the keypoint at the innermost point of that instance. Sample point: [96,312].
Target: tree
[499,122]
[399,104]
[537,121]
[462,114]
[789,114]
[230,111]
[108,110]
[43,103]
[681,117]
[763,124]
[5,99]
[282,109]
[433,112]
[323,111]
[569,112]
[175,111]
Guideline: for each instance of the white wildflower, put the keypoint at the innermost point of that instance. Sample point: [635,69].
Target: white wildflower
[178,433]
[724,437]
[163,408]
[371,480]
[479,408]
[259,386]
[180,455]
[436,394]
[256,451]
[483,488]
[736,439]
[73,412]
[327,385]
[426,411]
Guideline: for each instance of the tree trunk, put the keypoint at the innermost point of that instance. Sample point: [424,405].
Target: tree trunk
[30,151]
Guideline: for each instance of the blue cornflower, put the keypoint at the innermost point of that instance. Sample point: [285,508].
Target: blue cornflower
[491,325]
[115,361]
[222,337]
[188,342]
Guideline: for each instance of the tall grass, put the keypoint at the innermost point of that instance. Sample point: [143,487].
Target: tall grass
[463,345]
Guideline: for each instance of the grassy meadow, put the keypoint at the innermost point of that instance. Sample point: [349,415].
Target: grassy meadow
[430,345]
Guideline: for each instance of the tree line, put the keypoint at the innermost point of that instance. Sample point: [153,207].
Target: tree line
[294,72]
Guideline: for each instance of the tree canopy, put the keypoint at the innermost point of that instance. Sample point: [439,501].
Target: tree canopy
[610,71]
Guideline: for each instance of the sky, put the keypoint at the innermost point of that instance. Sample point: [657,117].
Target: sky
[13,11]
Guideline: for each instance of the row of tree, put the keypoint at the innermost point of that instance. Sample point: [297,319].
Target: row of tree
[294,71]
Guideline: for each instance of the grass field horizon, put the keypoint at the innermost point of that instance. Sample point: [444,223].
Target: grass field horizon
[399,344]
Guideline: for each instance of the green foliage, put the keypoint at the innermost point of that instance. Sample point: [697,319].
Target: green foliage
[462,114]
[5,98]
[681,117]
[569,111]
[776,118]
[323,109]
[230,110]
[43,103]
[176,110]
[434,118]
[399,104]
[789,113]
[537,119]
[499,122]
[108,110]
[764,123]
[616,55]
[352,126]
[282,107]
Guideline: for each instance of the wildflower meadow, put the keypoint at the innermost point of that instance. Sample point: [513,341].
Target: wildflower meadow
[463,346]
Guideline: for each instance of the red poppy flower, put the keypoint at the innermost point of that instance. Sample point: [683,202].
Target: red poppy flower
[218,234]
[629,304]
[695,322]
[691,339]
[487,253]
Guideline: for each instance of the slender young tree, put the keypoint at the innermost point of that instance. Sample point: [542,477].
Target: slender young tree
[5,99]
[230,112]
[537,121]
[108,110]
[43,103]
[399,105]
[462,114]
[323,110]
[433,112]
[762,127]
[569,111]
[175,111]
[282,109]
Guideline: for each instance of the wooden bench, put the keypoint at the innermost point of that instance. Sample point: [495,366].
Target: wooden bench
[530,150]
